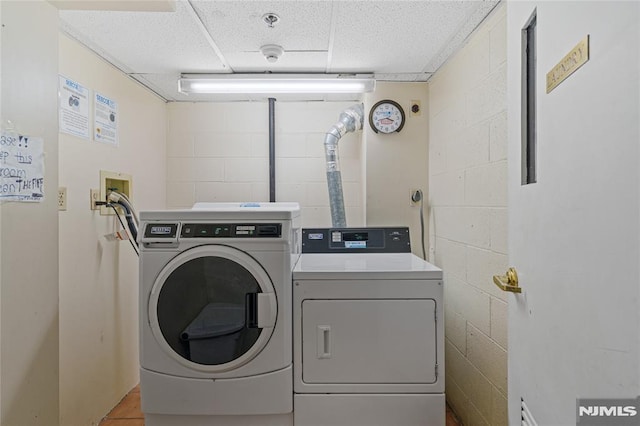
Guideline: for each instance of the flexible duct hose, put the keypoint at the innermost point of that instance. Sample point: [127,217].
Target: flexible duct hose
[350,120]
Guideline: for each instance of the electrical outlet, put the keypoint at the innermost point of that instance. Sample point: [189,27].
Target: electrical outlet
[94,195]
[62,198]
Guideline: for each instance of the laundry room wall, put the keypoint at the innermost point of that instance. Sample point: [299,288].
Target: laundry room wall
[396,163]
[29,239]
[99,278]
[468,221]
[219,152]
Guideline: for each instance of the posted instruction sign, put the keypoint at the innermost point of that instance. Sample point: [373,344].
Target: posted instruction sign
[74,108]
[105,119]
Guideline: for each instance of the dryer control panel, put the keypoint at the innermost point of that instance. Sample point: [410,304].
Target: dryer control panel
[356,240]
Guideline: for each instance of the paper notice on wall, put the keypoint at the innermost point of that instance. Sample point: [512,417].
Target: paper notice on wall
[105,120]
[21,167]
[74,108]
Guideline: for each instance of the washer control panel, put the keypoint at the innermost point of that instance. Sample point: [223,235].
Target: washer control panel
[356,240]
[231,230]
[169,232]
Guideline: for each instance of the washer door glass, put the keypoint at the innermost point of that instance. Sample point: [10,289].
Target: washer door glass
[204,307]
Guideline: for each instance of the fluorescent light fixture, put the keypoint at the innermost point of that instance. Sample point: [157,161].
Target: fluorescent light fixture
[275,83]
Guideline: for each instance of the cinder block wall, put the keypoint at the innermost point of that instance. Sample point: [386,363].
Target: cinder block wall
[468,218]
[219,152]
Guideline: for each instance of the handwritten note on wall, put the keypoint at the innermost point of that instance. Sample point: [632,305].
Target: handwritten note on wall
[21,167]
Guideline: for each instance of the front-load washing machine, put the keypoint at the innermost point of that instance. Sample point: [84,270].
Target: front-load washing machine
[215,314]
[368,331]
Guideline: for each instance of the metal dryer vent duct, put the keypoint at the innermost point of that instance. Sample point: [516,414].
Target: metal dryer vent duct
[350,120]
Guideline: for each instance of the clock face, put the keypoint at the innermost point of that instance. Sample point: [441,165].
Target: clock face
[386,117]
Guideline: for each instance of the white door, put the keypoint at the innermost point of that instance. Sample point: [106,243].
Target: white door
[574,234]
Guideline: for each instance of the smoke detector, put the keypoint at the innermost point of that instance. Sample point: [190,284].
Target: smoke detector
[271,52]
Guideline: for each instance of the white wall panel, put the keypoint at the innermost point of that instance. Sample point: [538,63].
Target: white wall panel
[99,278]
[29,369]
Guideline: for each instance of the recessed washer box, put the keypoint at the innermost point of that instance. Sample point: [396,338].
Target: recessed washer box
[121,182]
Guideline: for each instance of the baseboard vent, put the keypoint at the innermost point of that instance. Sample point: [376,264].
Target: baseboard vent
[527,417]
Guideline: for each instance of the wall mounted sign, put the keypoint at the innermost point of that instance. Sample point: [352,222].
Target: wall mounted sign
[577,57]
[21,167]
[105,120]
[74,108]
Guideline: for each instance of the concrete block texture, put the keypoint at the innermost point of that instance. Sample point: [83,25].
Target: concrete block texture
[468,218]
[499,414]
[208,169]
[499,322]
[486,185]
[219,152]
[489,358]
[470,380]
[467,300]
[180,194]
[462,405]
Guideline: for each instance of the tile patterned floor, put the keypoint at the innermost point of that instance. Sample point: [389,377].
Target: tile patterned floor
[127,412]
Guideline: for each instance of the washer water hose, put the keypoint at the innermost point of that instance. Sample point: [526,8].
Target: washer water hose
[418,196]
[115,198]
[350,120]
[120,199]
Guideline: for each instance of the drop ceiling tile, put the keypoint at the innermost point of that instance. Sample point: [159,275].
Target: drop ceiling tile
[458,38]
[144,42]
[289,62]
[394,37]
[129,5]
[396,40]
[237,26]
[164,85]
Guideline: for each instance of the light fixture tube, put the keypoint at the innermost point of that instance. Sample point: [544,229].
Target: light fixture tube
[274,83]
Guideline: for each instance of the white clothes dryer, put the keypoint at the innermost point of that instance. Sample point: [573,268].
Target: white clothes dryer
[368,331]
[215,314]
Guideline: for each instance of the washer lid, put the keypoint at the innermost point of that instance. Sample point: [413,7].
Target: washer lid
[227,211]
[369,266]
[248,206]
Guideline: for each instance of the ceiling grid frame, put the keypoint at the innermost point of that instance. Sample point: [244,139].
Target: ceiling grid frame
[225,36]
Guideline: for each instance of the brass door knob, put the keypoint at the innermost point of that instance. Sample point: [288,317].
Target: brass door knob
[508,282]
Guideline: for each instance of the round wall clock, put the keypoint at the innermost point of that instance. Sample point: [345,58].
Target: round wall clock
[386,117]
